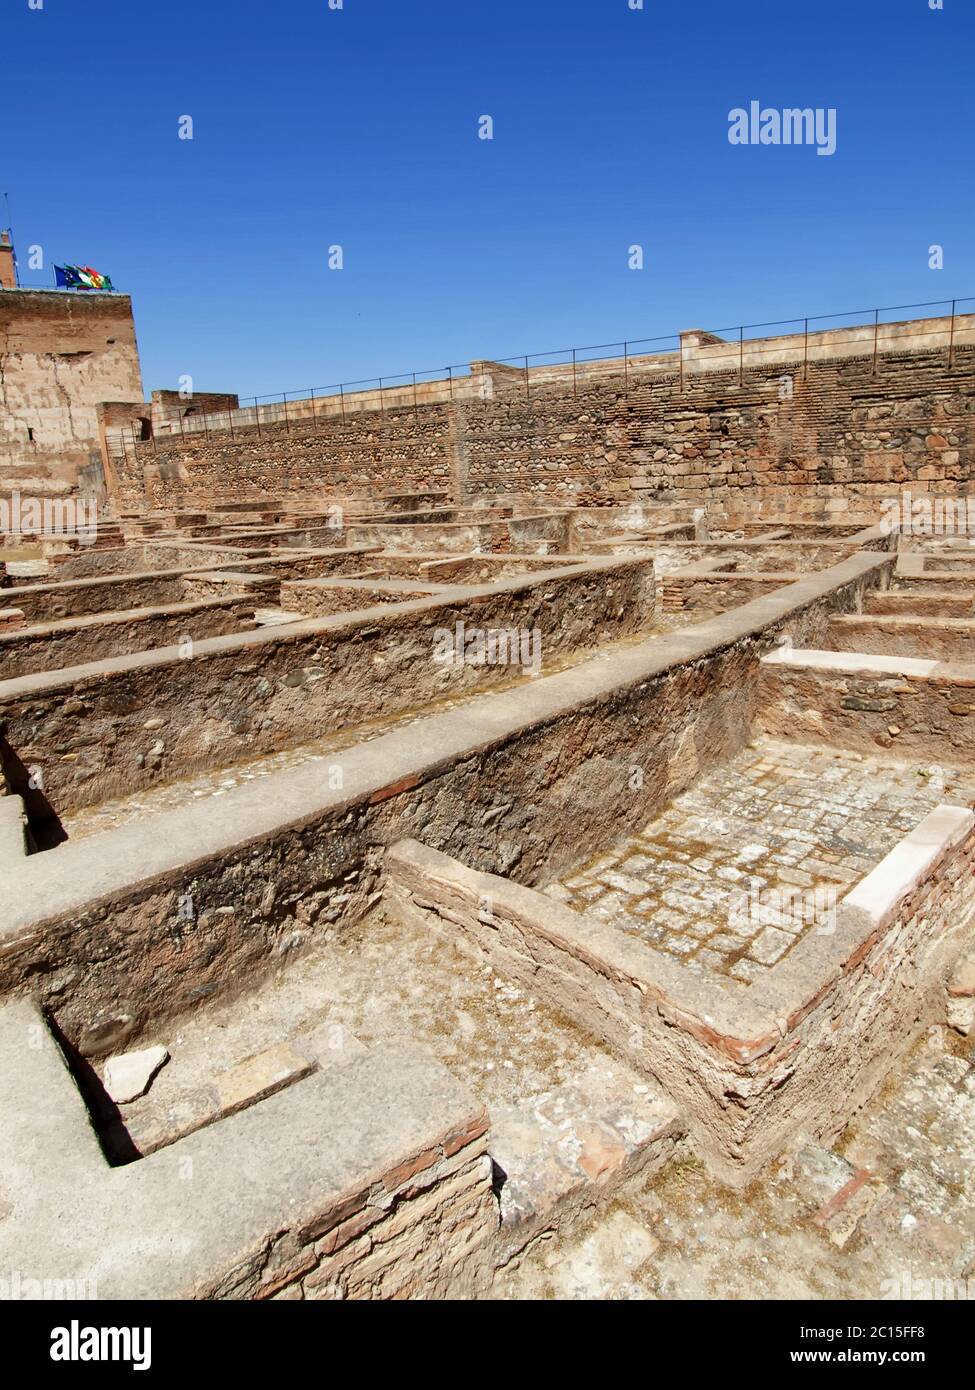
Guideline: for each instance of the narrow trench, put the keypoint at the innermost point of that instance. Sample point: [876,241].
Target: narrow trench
[44,827]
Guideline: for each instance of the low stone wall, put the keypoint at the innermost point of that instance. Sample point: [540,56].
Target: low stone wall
[212,584]
[449,538]
[100,637]
[754,556]
[319,597]
[703,592]
[92,563]
[945,604]
[918,709]
[180,577]
[44,603]
[111,727]
[748,1065]
[467,569]
[937,639]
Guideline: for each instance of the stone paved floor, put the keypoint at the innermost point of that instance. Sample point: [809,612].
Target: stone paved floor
[758,853]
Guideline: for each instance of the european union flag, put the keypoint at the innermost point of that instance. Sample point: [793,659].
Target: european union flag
[66,277]
[81,277]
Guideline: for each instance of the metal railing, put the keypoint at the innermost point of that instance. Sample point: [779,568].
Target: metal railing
[655,355]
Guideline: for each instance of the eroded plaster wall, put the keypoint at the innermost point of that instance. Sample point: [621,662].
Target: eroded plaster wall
[60,355]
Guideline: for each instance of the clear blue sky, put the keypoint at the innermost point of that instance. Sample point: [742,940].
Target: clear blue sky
[358,127]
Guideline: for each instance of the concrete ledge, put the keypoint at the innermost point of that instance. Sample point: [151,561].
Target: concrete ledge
[909,863]
[13,832]
[370,1179]
[808,659]
[555,1162]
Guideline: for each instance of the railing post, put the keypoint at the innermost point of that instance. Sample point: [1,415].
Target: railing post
[287,422]
[574,391]
[416,418]
[741,356]
[257,416]
[230,421]
[876,336]
[450,381]
[382,400]
[951,337]
[342,398]
[206,425]
[626,365]
[805,349]
[680,353]
[314,407]
[528,389]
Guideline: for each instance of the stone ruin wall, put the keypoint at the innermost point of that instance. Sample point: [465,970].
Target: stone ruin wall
[60,356]
[849,437]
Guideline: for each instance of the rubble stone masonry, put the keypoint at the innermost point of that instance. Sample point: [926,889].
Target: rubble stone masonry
[828,439]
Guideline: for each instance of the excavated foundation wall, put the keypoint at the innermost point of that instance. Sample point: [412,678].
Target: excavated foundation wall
[706,593]
[748,1065]
[102,637]
[146,921]
[923,711]
[96,733]
[934,638]
[46,603]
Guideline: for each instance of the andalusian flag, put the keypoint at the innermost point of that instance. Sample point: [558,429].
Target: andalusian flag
[80,277]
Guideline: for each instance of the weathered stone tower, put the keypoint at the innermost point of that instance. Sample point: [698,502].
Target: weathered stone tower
[61,353]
